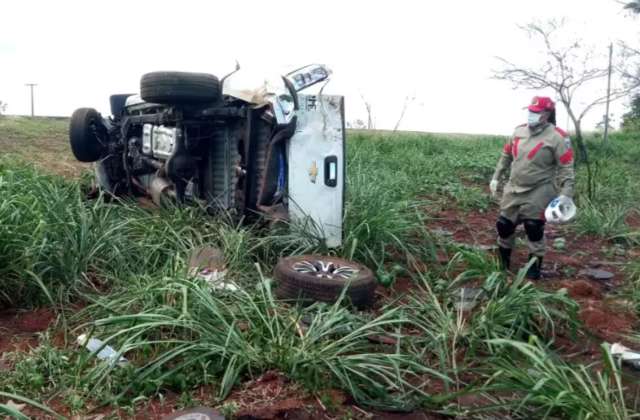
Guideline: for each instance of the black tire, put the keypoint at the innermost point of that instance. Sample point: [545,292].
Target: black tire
[309,287]
[85,131]
[179,88]
[117,104]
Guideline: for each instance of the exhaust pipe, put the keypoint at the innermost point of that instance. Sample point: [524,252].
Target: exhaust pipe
[161,187]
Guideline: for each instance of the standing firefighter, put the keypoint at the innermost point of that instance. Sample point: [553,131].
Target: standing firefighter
[540,158]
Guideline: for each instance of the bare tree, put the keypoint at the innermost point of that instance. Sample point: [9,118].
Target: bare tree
[3,107]
[408,100]
[629,68]
[630,71]
[567,68]
[633,6]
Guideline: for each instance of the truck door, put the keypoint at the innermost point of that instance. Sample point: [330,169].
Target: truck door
[316,166]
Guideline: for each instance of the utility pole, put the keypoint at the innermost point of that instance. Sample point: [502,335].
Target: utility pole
[31,85]
[606,116]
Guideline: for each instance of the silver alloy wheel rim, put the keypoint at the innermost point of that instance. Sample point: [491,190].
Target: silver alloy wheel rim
[326,269]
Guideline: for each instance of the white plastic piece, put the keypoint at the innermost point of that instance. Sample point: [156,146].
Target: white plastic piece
[561,210]
[216,279]
[106,353]
[626,355]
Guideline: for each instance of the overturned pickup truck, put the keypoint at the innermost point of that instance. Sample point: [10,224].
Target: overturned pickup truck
[267,150]
[191,138]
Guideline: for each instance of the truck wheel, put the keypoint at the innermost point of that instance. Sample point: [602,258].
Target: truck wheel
[86,134]
[322,278]
[117,104]
[174,87]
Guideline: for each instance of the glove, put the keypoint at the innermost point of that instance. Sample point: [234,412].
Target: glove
[493,186]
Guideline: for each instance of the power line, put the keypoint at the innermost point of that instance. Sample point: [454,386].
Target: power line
[31,85]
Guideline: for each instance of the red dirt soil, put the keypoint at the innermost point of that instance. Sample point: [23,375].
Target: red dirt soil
[18,329]
[604,321]
[273,396]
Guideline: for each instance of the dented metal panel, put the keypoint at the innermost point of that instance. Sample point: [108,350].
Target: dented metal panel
[316,163]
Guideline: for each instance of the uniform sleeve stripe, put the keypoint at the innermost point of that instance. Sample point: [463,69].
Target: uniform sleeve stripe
[562,132]
[567,157]
[532,152]
[515,146]
[507,148]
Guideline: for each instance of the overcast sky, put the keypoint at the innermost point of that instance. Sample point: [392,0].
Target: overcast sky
[80,52]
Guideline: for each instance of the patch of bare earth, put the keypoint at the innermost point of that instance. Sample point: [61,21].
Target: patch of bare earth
[562,268]
[18,329]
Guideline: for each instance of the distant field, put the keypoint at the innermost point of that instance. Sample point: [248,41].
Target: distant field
[41,141]
[418,213]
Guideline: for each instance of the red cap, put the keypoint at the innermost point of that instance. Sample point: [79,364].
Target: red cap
[541,103]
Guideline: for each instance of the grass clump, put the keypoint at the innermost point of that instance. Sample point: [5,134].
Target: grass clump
[186,330]
[129,265]
[545,386]
[54,245]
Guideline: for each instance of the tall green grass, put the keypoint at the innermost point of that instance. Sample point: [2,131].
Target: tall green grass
[392,179]
[542,385]
[129,265]
[196,334]
[54,244]
[27,129]
[616,185]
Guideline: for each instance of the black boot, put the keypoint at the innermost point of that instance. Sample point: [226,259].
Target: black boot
[505,258]
[535,271]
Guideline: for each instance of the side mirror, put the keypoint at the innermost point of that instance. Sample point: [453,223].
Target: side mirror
[307,76]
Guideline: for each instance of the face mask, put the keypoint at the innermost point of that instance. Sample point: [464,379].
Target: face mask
[534,119]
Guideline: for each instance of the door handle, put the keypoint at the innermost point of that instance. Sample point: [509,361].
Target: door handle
[331,171]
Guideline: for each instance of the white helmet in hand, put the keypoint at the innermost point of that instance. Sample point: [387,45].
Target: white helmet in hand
[561,210]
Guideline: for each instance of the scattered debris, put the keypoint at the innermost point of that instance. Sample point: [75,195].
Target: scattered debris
[441,232]
[596,274]
[207,263]
[469,297]
[271,395]
[104,352]
[15,406]
[197,413]
[476,247]
[485,247]
[627,355]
